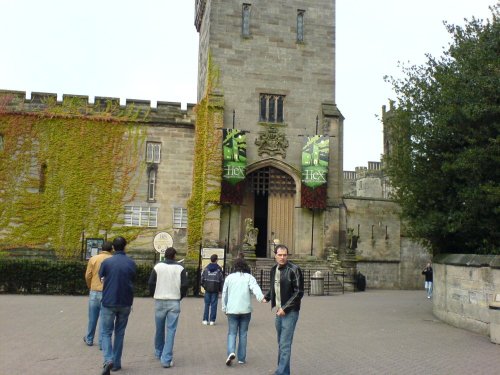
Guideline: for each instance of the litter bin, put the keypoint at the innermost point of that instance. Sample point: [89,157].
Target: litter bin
[317,284]
[495,320]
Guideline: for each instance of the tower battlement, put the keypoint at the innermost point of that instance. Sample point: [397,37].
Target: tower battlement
[108,107]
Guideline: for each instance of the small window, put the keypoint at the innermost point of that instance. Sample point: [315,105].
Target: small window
[300,25]
[138,216]
[180,217]
[153,152]
[1,143]
[271,108]
[43,178]
[245,22]
[152,184]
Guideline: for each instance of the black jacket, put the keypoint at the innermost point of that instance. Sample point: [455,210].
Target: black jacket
[212,278]
[291,287]
[428,273]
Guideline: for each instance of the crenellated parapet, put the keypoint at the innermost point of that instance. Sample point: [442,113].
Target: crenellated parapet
[103,108]
[200,6]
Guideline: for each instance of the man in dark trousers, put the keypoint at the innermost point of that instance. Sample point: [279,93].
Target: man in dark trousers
[168,284]
[285,293]
[212,280]
[117,274]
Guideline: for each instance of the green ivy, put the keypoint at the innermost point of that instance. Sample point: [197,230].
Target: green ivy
[66,169]
[207,169]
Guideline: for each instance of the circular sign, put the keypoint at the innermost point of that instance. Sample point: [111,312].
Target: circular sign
[162,242]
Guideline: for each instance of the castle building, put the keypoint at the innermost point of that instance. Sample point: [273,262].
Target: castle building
[276,64]
[281,140]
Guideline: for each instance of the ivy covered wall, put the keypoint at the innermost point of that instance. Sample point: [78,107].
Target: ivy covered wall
[65,169]
[203,206]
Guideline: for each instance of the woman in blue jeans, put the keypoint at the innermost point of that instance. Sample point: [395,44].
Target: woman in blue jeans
[237,305]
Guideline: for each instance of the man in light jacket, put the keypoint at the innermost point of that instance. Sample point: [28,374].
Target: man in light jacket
[95,296]
[168,284]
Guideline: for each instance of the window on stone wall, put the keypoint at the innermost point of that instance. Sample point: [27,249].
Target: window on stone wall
[153,152]
[43,178]
[180,218]
[152,172]
[300,25]
[1,143]
[271,108]
[245,20]
[140,216]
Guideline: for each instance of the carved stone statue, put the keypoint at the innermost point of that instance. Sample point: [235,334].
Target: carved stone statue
[251,233]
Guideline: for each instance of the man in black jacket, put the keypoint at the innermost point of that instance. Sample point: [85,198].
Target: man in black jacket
[212,280]
[286,291]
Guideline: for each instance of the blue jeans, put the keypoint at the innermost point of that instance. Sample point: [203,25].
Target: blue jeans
[114,320]
[428,288]
[238,324]
[166,319]
[285,327]
[94,310]
[211,299]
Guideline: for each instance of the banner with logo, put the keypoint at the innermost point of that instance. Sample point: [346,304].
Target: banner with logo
[234,159]
[315,155]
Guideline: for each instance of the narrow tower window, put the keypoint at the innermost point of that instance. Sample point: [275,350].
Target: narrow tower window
[300,25]
[152,183]
[245,24]
[43,178]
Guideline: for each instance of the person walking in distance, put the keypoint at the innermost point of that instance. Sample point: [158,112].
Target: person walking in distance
[427,271]
[117,274]
[168,284]
[95,295]
[237,305]
[285,293]
[211,280]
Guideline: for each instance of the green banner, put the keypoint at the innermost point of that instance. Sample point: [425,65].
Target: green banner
[234,153]
[315,153]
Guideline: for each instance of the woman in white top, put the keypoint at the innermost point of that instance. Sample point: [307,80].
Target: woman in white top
[237,305]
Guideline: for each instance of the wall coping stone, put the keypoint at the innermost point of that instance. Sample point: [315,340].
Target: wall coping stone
[468,260]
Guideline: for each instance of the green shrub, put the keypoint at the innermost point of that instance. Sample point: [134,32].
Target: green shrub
[64,277]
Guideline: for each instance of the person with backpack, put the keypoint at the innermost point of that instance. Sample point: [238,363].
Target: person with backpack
[212,281]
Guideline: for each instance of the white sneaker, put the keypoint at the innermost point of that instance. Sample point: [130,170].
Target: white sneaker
[241,362]
[212,323]
[205,322]
[230,359]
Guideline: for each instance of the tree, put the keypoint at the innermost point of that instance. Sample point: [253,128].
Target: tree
[444,159]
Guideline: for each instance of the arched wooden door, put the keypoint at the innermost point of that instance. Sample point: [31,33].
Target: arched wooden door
[269,200]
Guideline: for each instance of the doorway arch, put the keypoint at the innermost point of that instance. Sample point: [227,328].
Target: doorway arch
[270,199]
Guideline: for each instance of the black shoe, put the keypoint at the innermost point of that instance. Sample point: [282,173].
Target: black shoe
[116,369]
[230,359]
[107,368]
[86,343]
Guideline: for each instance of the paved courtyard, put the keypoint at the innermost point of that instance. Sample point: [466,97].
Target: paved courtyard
[375,332]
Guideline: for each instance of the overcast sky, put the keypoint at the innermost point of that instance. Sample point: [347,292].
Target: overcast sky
[148,50]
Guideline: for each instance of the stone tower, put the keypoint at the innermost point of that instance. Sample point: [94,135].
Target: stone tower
[276,62]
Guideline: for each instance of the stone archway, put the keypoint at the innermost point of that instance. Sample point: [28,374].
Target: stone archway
[270,199]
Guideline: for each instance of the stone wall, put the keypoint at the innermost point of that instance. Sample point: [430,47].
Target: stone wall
[464,286]
[387,258]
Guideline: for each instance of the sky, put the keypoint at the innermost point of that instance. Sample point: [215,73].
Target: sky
[148,50]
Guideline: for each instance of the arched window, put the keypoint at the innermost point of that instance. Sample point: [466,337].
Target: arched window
[300,25]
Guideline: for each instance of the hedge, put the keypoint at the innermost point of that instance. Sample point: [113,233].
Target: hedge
[63,277]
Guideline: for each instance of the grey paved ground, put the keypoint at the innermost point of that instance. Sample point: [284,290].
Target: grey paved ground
[375,332]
